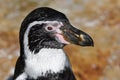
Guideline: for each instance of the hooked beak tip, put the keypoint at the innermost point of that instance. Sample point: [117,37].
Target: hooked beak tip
[86,40]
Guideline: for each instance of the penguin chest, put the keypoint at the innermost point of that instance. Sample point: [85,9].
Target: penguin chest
[46,61]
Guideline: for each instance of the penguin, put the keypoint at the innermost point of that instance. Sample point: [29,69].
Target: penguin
[43,34]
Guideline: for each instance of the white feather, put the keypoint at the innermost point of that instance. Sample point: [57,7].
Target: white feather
[47,59]
[23,76]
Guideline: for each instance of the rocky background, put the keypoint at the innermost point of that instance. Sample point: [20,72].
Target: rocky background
[99,18]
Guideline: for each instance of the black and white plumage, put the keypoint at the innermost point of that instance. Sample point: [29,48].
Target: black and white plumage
[43,34]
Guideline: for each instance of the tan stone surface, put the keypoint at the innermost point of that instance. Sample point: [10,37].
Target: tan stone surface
[100,19]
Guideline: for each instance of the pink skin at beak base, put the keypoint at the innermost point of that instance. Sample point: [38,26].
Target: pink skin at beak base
[61,39]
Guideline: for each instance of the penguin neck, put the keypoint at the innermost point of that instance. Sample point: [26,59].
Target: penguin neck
[46,61]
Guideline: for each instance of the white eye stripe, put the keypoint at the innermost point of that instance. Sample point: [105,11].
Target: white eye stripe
[56,23]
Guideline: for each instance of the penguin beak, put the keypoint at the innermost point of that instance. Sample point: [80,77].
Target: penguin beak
[76,36]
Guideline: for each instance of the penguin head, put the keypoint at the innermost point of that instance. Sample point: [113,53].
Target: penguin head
[48,28]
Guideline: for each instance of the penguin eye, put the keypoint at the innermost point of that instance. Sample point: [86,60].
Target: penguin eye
[49,28]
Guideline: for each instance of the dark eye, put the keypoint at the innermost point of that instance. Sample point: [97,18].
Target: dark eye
[49,28]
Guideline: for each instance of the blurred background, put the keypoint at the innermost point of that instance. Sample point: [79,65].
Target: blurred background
[99,18]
